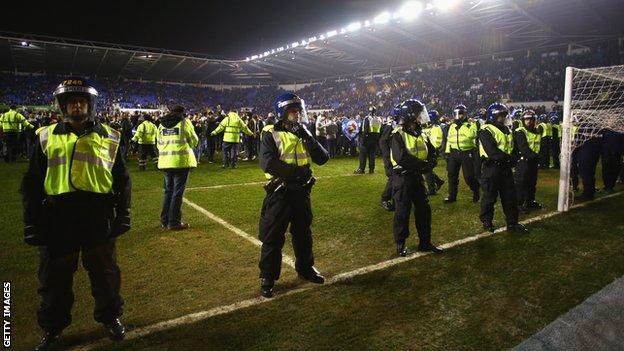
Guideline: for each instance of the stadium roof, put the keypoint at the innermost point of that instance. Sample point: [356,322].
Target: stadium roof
[469,29]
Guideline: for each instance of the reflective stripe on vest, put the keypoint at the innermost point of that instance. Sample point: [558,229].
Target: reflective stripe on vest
[462,139]
[415,145]
[375,124]
[174,150]
[291,148]
[79,163]
[504,142]
[533,139]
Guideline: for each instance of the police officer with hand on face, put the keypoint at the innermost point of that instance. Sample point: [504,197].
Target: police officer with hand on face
[76,196]
[496,147]
[412,155]
[286,151]
[527,140]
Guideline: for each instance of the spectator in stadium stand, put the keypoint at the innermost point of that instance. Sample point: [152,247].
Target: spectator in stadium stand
[496,147]
[176,139]
[13,123]
[411,156]
[231,126]
[367,141]
[63,221]
[461,152]
[527,142]
[286,152]
[145,137]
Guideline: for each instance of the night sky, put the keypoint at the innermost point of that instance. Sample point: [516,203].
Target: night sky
[228,29]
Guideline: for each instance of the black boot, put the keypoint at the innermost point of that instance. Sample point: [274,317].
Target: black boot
[115,330]
[402,250]
[430,248]
[358,171]
[48,341]
[266,287]
[488,226]
[517,228]
[312,275]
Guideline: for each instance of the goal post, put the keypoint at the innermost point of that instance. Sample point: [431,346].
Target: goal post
[593,103]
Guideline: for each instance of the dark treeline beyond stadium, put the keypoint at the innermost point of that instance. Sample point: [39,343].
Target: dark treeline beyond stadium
[476,84]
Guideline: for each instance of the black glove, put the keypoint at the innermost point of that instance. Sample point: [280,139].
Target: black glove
[426,167]
[33,236]
[121,224]
[302,132]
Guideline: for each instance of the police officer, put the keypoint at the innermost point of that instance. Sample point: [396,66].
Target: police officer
[555,142]
[461,152]
[547,134]
[527,143]
[231,126]
[286,152]
[13,123]
[76,196]
[434,133]
[145,136]
[496,177]
[176,139]
[368,139]
[611,158]
[411,155]
[384,146]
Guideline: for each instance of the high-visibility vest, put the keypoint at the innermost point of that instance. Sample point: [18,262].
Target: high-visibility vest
[463,139]
[546,129]
[175,146]
[231,127]
[436,135]
[375,124]
[146,133]
[415,145]
[533,139]
[504,142]
[13,121]
[291,148]
[78,162]
[559,129]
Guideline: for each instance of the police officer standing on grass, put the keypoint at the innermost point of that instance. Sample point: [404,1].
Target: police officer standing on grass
[496,148]
[76,196]
[13,123]
[385,140]
[434,133]
[176,139]
[286,151]
[368,139]
[411,155]
[231,126]
[555,142]
[527,143]
[547,134]
[461,152]
[145,136]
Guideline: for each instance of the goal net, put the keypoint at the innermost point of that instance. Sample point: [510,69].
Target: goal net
[593,102]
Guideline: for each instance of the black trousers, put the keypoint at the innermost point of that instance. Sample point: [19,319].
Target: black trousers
[466,161]
[526,180]
[498,180]
[70,232]
[409,190]
[145,151]
[588,155]
[611,165]
[288,206]
[11,140]
[555,148]
[386,195]
[368,151]
[545,152]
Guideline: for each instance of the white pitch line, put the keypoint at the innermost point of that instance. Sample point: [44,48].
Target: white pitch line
[285,258]
[219,186]
[202,315]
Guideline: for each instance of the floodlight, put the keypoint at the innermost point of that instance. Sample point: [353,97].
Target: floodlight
[331,33]
[354,26]
[382,18]
[444,5]
[410,10]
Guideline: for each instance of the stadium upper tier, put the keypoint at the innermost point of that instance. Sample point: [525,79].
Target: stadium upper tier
[415,33]
[521,79]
